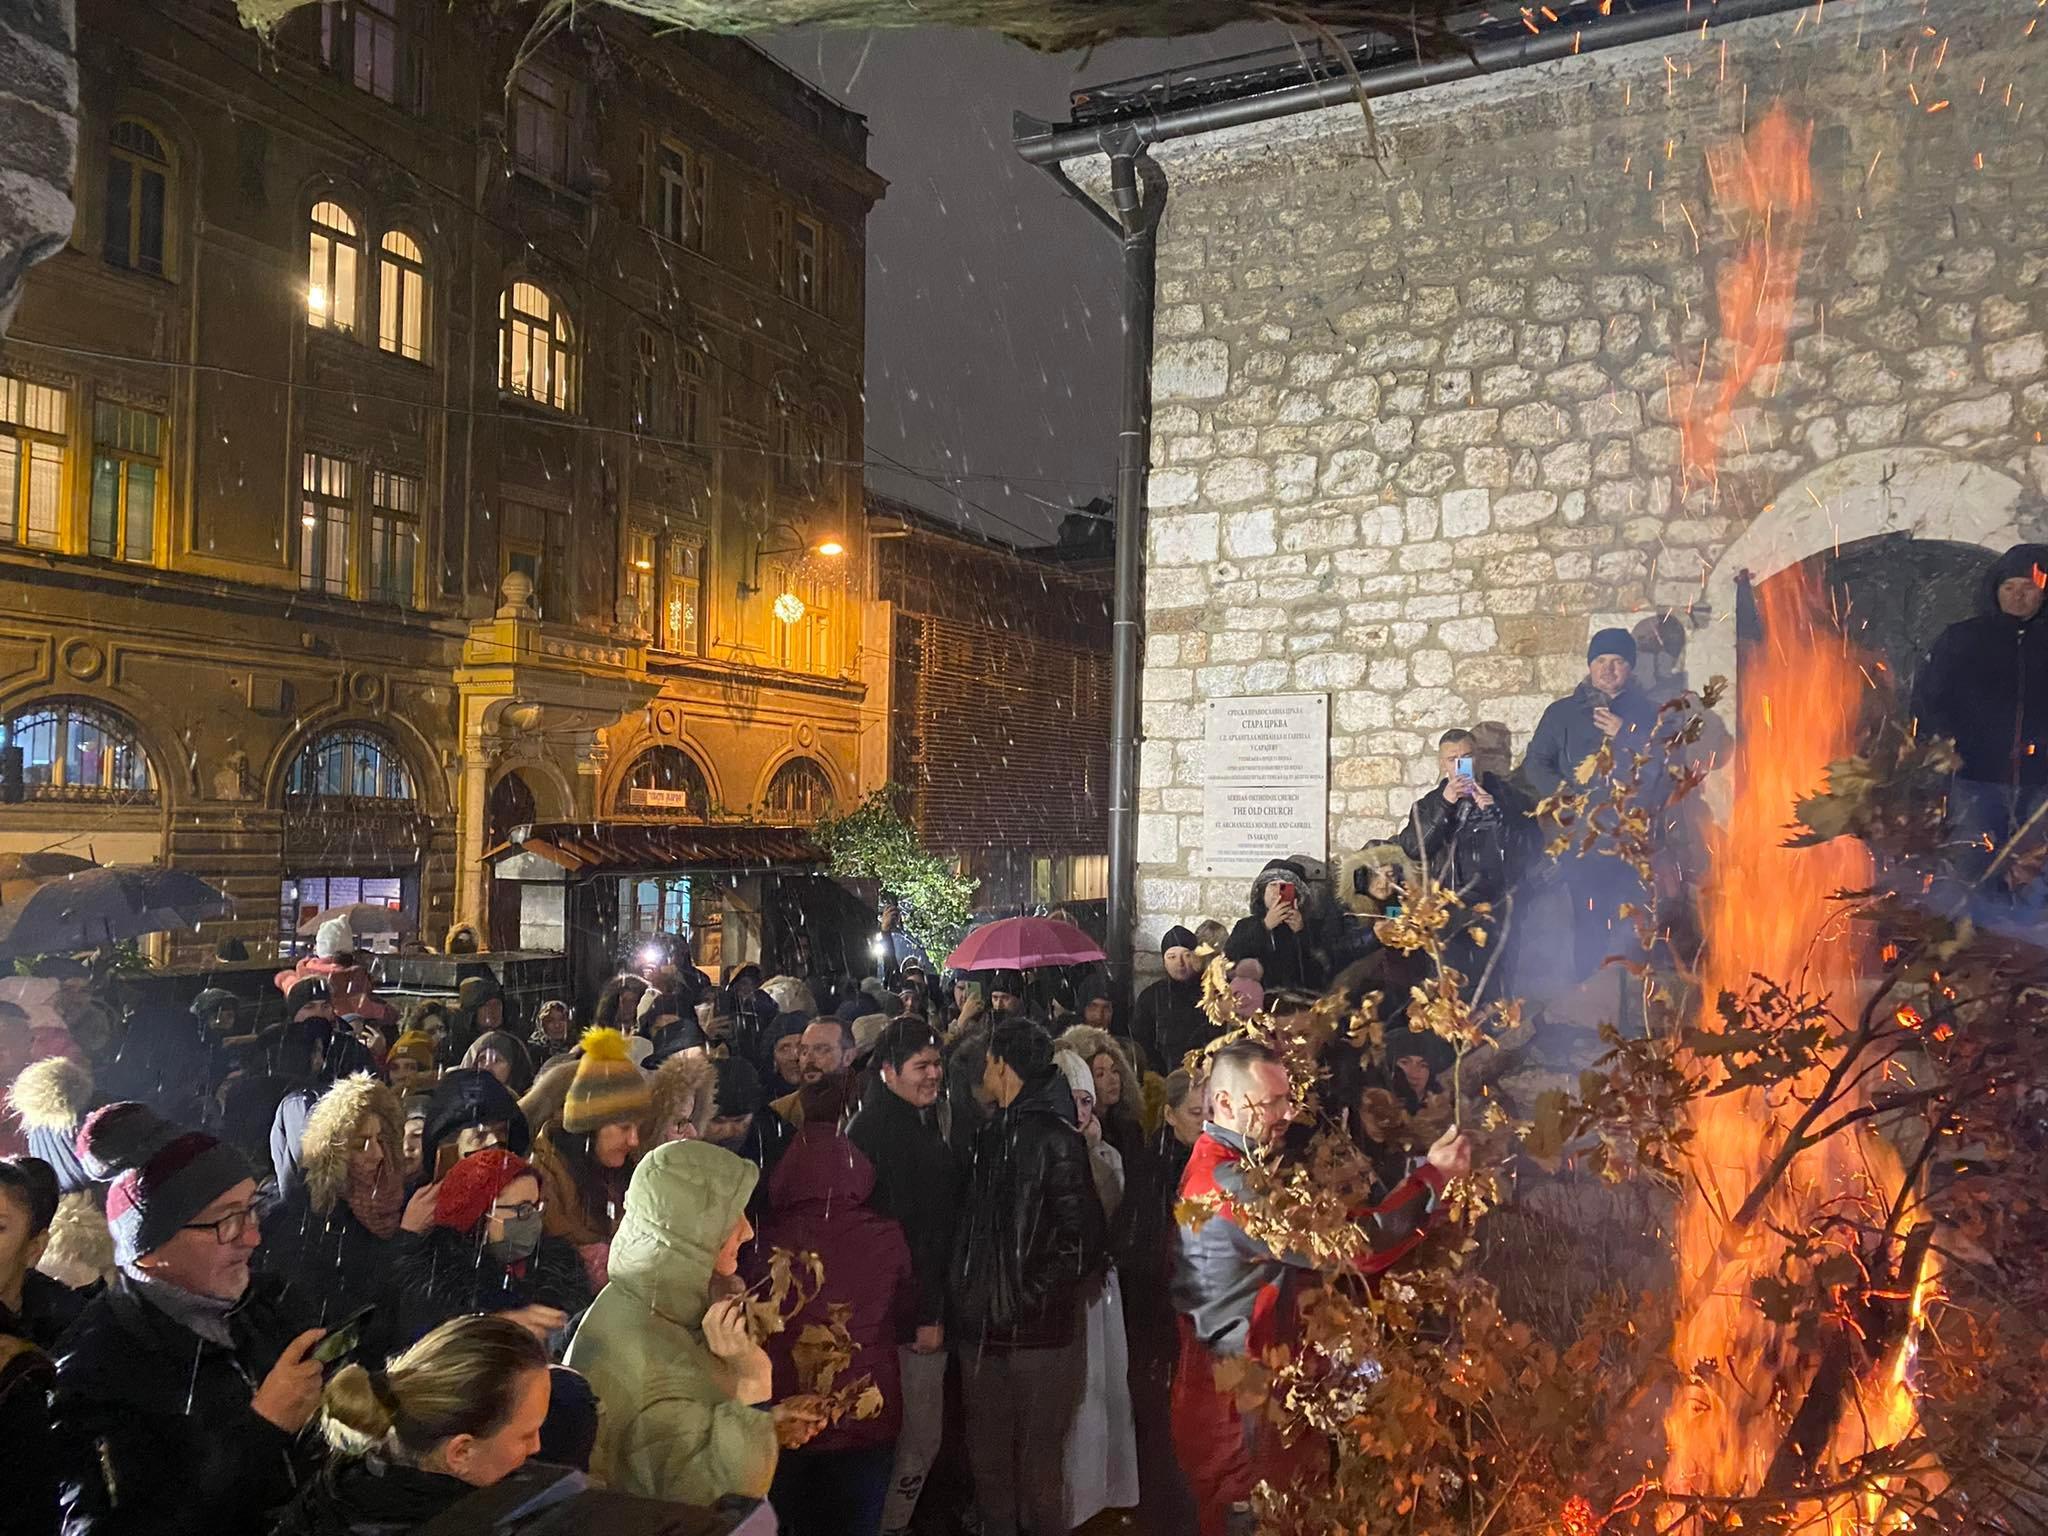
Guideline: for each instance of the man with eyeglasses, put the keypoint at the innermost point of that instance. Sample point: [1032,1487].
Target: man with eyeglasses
[1228,1286]
[182,1390]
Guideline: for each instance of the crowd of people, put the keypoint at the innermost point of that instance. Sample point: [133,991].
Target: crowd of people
[331,1275]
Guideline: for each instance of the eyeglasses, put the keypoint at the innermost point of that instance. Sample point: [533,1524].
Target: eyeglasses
[525,1210]
[229,1228]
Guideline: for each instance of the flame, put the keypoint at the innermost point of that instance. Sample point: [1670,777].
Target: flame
[1768,914]
[1763,180]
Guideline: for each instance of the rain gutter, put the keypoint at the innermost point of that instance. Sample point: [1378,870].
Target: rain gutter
[1137,195]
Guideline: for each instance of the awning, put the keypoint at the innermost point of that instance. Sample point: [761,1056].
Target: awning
[577,848]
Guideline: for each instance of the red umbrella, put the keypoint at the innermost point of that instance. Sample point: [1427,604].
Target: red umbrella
[1023,944]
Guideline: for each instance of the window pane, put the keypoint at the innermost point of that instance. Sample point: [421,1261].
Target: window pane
[106,506]
[141,541]
[342,304]
[10,482]
[149,225]
[120,177]
[45,495]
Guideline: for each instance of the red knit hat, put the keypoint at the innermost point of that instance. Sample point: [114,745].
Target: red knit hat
[467,1194]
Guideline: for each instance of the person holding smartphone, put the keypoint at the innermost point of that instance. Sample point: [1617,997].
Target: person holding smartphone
[1277,932]
[1473,832]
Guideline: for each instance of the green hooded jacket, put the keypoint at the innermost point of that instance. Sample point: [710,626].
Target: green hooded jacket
[671,1427]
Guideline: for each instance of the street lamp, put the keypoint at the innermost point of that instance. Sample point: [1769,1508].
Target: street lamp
[788,606]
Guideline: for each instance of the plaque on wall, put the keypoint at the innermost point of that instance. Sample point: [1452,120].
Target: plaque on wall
[1266,781]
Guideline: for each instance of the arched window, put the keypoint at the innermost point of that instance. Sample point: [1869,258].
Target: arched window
[138,197]
[667,781]
[334,249]
[537,347]
[76,751]
[798,794]
[349,765]
[402,297]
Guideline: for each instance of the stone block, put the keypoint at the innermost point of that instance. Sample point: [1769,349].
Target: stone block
[1468,636]
[1465,512]
[1507,384]
[1457,429]
[1537,424]
[1427,472]
[1171,488]
[1479,341]
[1233,480]
[1332,670]
[1384,526]
[1191,370]
[1356,395]
[1353,472]
[1190,540]
[1249,533]
[1964,420]
[2018,360]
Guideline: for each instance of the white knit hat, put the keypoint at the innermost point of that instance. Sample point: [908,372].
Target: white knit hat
[334,939]
[1079,1077]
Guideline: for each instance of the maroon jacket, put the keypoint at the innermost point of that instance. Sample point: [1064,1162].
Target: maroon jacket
[817,1203]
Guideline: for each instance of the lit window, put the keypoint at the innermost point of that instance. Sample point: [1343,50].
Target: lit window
[682,596]
[641,577]
[79,752]
[665,779]
[402,297]
[127,474]
[394,536]
[538,358]
[804,643]
[1087,877]
[33,419]
[326,502]
[333,250]
[540,124]
[138,192]
[349,765]
[798,794]
[679,185]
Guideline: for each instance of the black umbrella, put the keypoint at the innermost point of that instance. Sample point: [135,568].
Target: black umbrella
[106,904]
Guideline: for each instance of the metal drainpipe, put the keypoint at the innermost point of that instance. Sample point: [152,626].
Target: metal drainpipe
[1137,194]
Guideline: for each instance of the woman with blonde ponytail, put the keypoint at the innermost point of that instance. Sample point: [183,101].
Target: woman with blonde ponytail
[458,1411]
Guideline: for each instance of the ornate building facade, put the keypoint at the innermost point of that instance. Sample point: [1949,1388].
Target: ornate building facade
[431,428]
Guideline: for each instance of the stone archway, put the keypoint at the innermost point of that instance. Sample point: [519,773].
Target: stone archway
[1920,493]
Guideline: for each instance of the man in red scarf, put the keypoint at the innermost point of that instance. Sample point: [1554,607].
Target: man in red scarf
[1227,1285]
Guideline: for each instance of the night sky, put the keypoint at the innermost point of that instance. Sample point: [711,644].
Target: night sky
[993,312]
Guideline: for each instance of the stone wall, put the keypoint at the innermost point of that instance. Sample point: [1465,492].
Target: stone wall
[38,137]
[1415,434]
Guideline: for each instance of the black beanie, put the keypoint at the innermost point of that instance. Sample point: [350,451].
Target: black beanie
[737,1088]
[1612,642]
[1178,937]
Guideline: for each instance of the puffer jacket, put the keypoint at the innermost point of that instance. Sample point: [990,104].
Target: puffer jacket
[314,1242]
[818,1203]
[165,1442]
[368,1496]
[672,1427]
[1032,1235]
[447,1274]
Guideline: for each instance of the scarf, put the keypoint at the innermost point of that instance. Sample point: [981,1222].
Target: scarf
[206,1316]
[377,1198]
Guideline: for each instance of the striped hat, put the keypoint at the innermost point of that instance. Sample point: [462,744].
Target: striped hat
[607,1087]
[162,1176]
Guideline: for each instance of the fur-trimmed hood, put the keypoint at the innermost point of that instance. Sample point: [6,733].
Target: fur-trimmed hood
[331,1130]
[1088,1042]
[52,1094]
[682,1088]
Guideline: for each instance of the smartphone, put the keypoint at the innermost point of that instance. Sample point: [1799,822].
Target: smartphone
[343,1337]
[1289,895]
[978,992]
[1464,767]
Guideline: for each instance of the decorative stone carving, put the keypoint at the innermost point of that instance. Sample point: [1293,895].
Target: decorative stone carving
[231,780]
[515,597]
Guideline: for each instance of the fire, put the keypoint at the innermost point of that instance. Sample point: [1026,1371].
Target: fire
[1768,912]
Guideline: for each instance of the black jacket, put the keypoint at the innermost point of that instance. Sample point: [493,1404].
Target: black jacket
[1566,736]
[914,1173]
[447,1274]
[1477,851]
[368,1496]
[1985,684]
[1168,1022]
[1286,958]
[1032,1232]
[330,1265]
[161,1437]
[28,1379]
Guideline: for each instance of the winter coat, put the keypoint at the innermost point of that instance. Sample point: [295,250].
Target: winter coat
[369,1496]
[1477,851]
[51,1097]
[313,1241]
[446,1274]
[1032,1235]
[1227,1283]
[818,1203]
[1287,959]
[1567,735]
[1168,1022]
[163,1063]
[672,1428]
[164,1440]
[915,1175]
[1985,684]
[568,1213]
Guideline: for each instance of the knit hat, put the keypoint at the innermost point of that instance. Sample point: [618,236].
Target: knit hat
[1612,642]
[211,1000]
[475,991]
[1009,982]
[335,939]
[162,1176]
[607,1087]
[1079,1078]
[1178,937]
[50,1096]
[416,1046]
[466,1195]
[466,1096]
[303,995]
